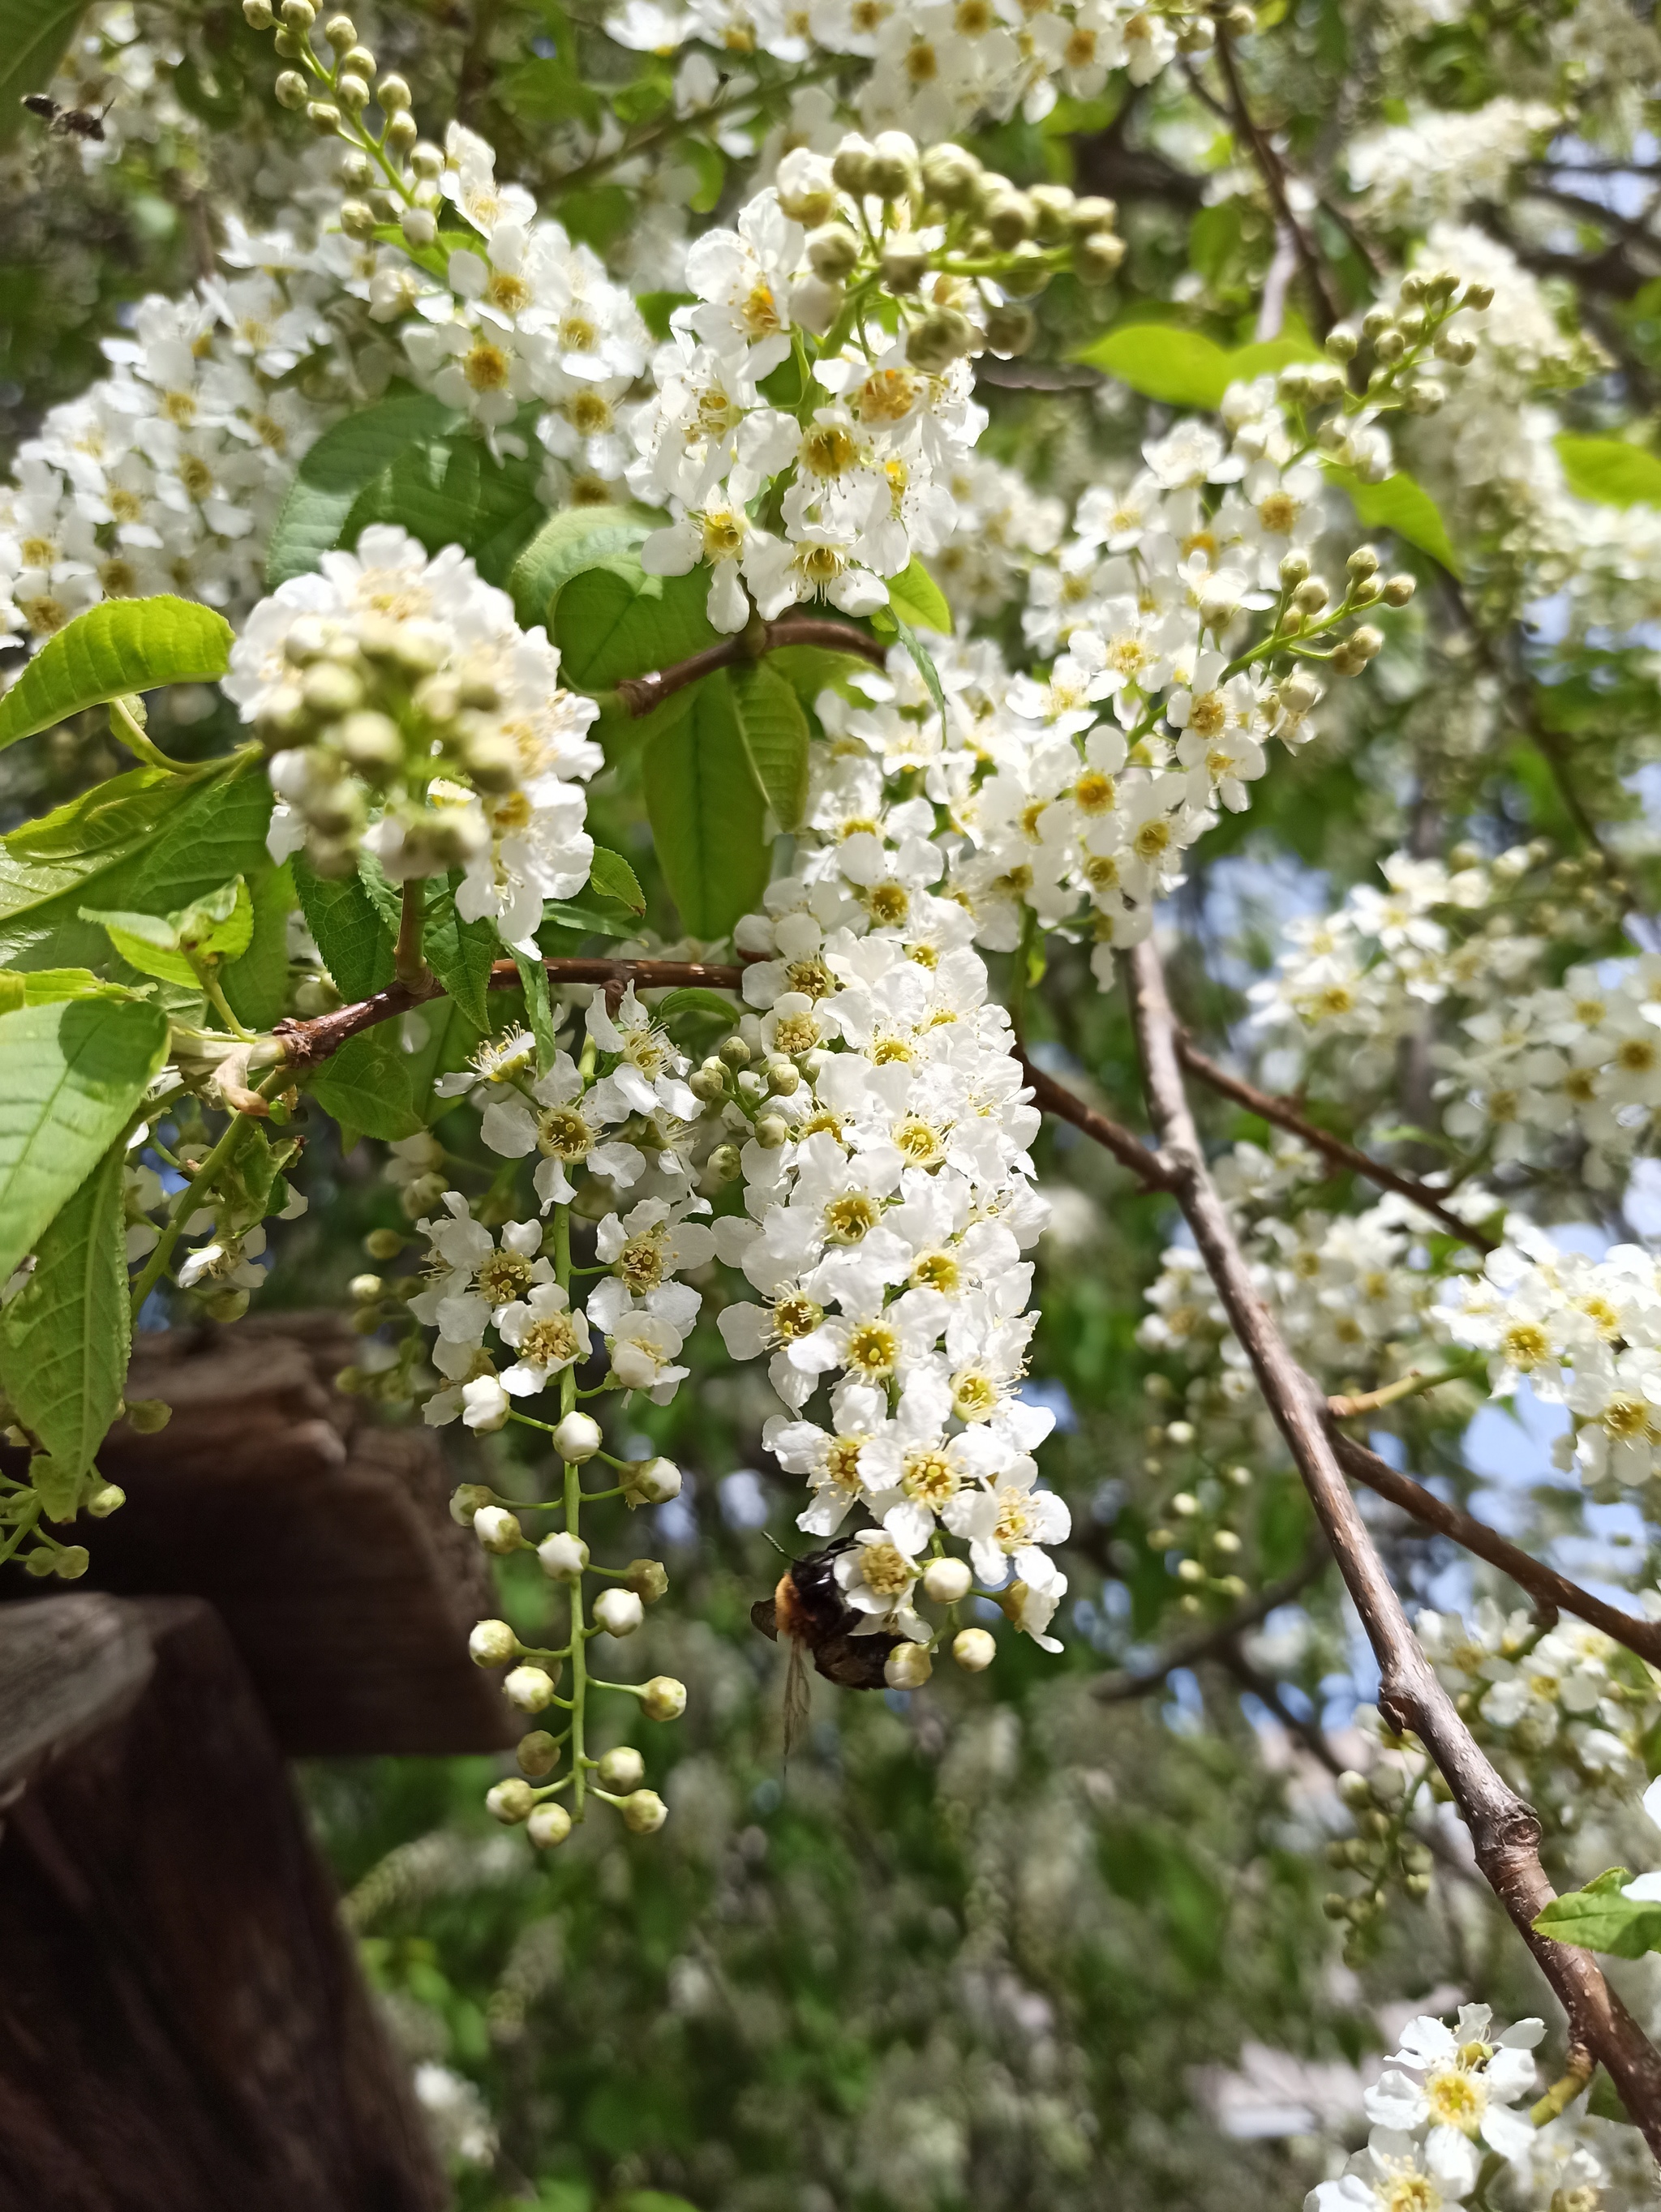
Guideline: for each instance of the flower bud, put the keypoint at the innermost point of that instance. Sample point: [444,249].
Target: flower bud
[226,1305]
[393,94]
[420,227]
[1479,296]
[298,14]
[577,1438]
[892,170]
[466,1500]
[664,1698]
[1052,211]
[258,14]
[538,1754]
[832,250]
[1354,1789]
[1028,273]
[1096,259]
[511,1802]
[72,1562]
[1311,596]
[942,336]
[649,1481]
[147,1417]
[647,1578]
[497,1529]
[563,1557]
[1342,345]
[736,1053]
[324,117]
[951,175]
[904,268]
[1399,589]
[109,1498]
[530,1688]
[908,1667]
[644,1812]
[622,1770]
[974,1650]
[782,1075]
[618,1612]
[40,1564]
[550,1824]
[706,1084]
[772,1132]
[383,1244]
[1363,562]
[723,1164]
[492,1643]
[850,165]
[351,92]
[290,89]
[1010,330]
[341,32]
[401,132]
[946,1581]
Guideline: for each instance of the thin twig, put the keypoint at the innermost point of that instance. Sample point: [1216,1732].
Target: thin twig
[1130,1152]
[1286,1117]
[1504,1832]
[1272,170]
[306,1044]
[1209,1643]
[1544,1584]
[639,694]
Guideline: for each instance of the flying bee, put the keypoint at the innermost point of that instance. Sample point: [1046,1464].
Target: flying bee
[807,1607]
[67,122]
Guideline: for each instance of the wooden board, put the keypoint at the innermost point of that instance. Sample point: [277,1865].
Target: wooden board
[324,1540]
[183,2026]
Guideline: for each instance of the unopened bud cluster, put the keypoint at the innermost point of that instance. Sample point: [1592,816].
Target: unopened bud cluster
[1382,1851]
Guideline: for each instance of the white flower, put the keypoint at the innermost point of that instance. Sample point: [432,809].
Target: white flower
[1469,2079]
[546,1334]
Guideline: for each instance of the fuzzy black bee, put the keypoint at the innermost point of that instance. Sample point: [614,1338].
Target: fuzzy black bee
[807,1607]
[66,122]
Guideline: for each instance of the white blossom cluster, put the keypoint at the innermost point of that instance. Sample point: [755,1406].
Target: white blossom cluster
[1567,1708]
[933,71]
[1434,2123]
[888,1198]
[384,667]
[1584,1333]
[1440,160]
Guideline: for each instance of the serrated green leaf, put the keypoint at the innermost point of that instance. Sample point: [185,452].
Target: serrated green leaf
[774,731]
[147,943]
[1598,1918]
[566,544]
[612,620]
[707,812]
[1399,503]
[1611,470]
[1186,368]
[65,1338]
[219,927]
[256,983]
[459,953]
[563,924]
[611,876]
[46,986]
[914,597]
[34,36]
[336,472]
[116,648]
[356,946]
[447,490]
[538,1009]
[366,1086]
[70,1073]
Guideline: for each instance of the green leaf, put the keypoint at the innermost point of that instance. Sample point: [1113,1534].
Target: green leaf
[147,943]
[366,1086]
[1401,504]
[539,1011]
[1186,368]
[70,1073]
[560,918]
[611,620]
[549,90]
[656,307]
[34,36]
[220,927]
[459,953]
[916,598]
[256,983]
[711,169]
[1604,2102]
[706,811]
[693,999]
[1598,1918]
[1610,471]
[447,490]
[924,661]
[599,217]
[775,735]
[566,544]
[65,1338]
[356,946]
[46,986]
[613,878]
[452,1039]
[116,648]
[346,460]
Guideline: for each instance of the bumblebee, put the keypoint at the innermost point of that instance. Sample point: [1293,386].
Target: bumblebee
[65,122]
[807,1607]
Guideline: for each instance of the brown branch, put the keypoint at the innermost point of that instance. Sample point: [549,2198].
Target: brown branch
[306,1044]
[1504,1832]
[1272,170]
[1544,1584]
[639,694]
[1130,1152]
[1283,1116]
[1210,1643]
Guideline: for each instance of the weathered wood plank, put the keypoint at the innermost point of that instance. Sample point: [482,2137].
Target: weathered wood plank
[183,2027]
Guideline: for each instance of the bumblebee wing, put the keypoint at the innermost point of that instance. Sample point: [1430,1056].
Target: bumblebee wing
[855,1662]
[763,1615]
[797,1696]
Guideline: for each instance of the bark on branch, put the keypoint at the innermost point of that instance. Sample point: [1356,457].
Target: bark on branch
[1276,1111]
[306,1044]
[1504,1832]
[639,694]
